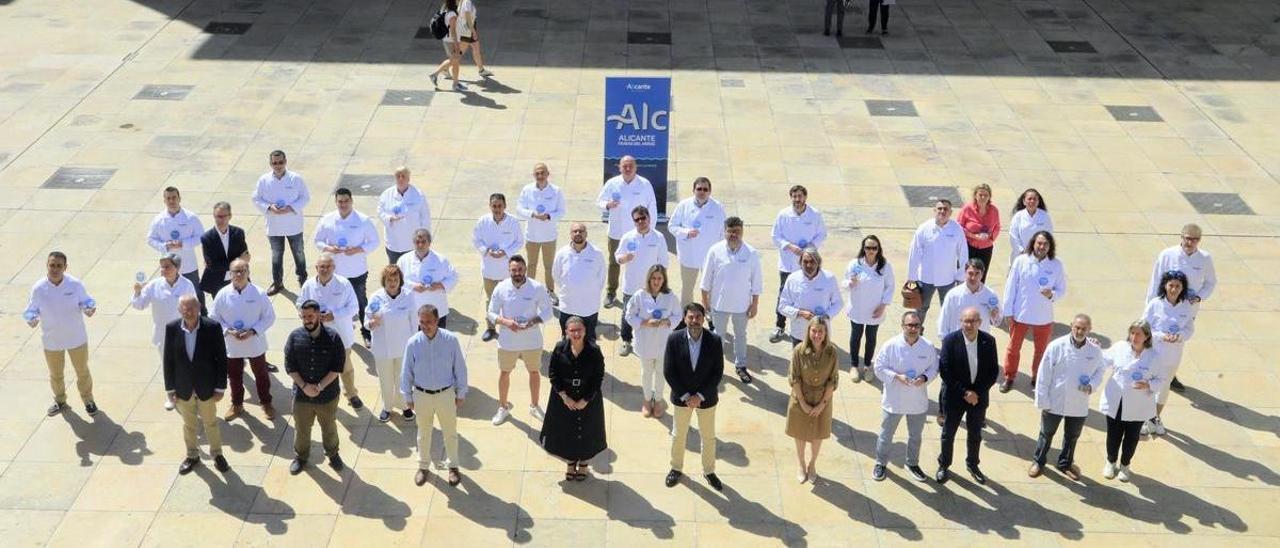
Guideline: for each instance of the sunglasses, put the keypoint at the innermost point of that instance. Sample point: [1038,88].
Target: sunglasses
[638,219]
[871,247]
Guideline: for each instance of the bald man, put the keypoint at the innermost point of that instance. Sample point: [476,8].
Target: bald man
[195,378]
[968,367]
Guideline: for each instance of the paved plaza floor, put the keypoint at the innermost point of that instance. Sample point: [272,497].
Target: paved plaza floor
[1132,117]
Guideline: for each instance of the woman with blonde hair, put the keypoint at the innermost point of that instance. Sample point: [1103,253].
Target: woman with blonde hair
[813,376]
[651,312]
[1129,396]
[980,220]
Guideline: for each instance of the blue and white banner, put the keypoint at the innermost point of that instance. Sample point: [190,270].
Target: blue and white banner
[637,123]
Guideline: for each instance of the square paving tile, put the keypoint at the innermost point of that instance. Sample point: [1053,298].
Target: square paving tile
[884,107]
[80,178]
[1218,203]
[1126,113]
[225,27]
[927,195]
[163,92]
[407,97]
[860,42]
[1071,46]
[733,83]
[424,33]
[366,185]
[649,38]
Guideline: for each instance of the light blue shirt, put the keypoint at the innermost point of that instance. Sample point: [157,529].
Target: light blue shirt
[189,337]
[433,363]
[695,349]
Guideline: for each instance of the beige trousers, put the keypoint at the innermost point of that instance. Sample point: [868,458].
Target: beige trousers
[706,428]
[56,359]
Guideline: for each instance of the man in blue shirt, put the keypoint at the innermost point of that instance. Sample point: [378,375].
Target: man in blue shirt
[433,380]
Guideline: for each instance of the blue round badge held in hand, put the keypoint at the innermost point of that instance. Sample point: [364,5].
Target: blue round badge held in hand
[1173,329]
[911,374]
[174,234]
[90,303]
[375,306]
[342,242]
[697,223]
[1084,379]
[632,245]
[29,315]
[541,209]
[140,276]
[657,314]
[280,204]
[857,270]
[427,279]
[1044,281]
[820,311]
[238,325]
[1136,375]
[992,302]
[617,196]
[802,244]
[521,320]
[397,209]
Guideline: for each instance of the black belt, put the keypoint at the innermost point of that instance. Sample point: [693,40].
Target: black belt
[426,391]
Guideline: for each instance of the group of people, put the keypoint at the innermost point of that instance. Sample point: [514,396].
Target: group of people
[682,341]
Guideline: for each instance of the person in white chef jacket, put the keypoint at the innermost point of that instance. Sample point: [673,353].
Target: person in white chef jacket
[870,281]
[808,293]
[1030,215]
[177,230]
[281,195]
[162,295]
[906,364]
[580,269]
[519,307]
[496,237]
[618,197]
[392,317]
[973,293]
[428,275]
[1186,257]
[653,311]
[1173,322]
[403,209]
[338,305]
[1129,397]
[244,311]
[1036,281]
[796,227]
[732,280]
[541,204]
[639,249]
[937,256]
[57,302]
[697,224]
[349,236]
[1073,367]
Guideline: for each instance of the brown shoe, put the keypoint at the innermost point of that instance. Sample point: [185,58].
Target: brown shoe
[1035,470]
[233,413]
[420,478]
[645,410]
[275,288]
[1006,385]
[454,477]
[1071,472]
[659,409]
[270,411]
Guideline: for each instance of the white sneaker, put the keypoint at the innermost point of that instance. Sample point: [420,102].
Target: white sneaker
[1147,428]
[501,416]
[1158,426]
[625,349]
[1124,474]
[536,412]
[867,374]
[1109,470]
[168,404]
[486,72]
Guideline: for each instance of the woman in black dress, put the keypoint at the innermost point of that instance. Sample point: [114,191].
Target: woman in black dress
[574,425]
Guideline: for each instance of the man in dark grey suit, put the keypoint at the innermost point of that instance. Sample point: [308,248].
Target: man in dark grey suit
[220,245]
[693,366]
[195,377]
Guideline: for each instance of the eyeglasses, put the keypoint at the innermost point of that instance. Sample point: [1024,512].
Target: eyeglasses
[701,189]
[241,271]
[277,163]
[911,325]
[221,215]
[871,247]
[1191,238]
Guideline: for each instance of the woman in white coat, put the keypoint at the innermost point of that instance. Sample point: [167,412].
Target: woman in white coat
[1030,215]
[1172,321]
[392,317]
[870,282]
[1129,396]
[650,311]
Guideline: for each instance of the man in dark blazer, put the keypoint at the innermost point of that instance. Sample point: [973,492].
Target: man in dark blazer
[969,368]
[221,244]
[693,366]
[195,376]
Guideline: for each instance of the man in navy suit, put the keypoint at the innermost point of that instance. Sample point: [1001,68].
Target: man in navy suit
[969,368]
[221,244]
[195,377]
[693,366]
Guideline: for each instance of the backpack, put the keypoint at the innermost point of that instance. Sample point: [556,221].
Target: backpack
[439,28]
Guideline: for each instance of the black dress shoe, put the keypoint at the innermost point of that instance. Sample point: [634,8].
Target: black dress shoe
[296,466]
[356,402]
[420,478]
[220,463]
[673,477]
[1177,386]
[335,462]
[91,408]
[274,289]
[977,474]
[715,482]
[408,414]
[942,476]
[488,335]
[188,464]
[272,368]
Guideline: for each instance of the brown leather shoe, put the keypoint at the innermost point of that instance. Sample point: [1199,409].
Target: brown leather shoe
[275,288]
[454,477]
[1035,470]
[659,409]
[270,411]
[420,478]
[1071,472]
[645,410]
[233,413]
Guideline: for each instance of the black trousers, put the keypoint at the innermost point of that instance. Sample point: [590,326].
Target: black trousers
[871,15]
[194,276]
[358,284]
[855,337]
[589,321]
[985,256]
[780,320]
[393,256]
[975,416]
[836,6]
[1122,437]
[1071,432]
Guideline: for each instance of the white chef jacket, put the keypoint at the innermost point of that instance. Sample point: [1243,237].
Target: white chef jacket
[358,231]
[938,254]
[551,199]
[873,289]
[960,298]
[579,277]
[732,278]
[899,357]
[185,227]
[415,213]
[399,322]
[1022,298]
[1169,319]
[1023,226]
[1139,405]
[708,220]
[806,228]
[1197,267]
[651,342]
[291,190]
[650,249]
[800,292]
[163,299]
[639,192]
[1061,368]
[250,306]
[338,297]
[440,270]
[522,304]
[60,308]
[505,235]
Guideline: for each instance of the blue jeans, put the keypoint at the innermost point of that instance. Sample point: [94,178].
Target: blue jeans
[739,321]
[889,425]
[277,258]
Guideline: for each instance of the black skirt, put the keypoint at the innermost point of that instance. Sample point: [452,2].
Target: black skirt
[568,434]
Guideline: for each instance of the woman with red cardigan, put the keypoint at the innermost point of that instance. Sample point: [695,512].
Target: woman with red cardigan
[981,223]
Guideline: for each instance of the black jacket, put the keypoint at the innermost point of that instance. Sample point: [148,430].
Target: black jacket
[683,378]
[205,373]
[953,367]
[216,261]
